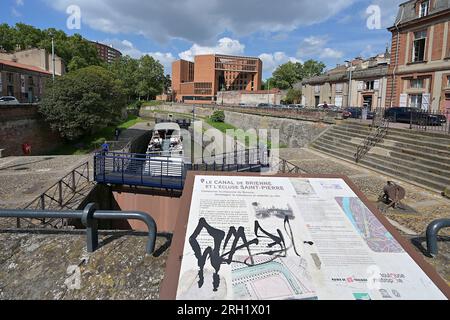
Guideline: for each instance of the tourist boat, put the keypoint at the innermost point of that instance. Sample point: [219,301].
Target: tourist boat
[165,153]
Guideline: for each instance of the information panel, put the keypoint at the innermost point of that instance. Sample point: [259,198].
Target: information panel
[275,238]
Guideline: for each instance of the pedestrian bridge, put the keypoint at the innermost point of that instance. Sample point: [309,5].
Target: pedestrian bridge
[169,173]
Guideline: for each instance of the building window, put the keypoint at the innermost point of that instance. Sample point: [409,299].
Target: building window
[424,9]
[317,89]
[339,87]
[416,84]
[420,39]
[415,101]
[369,85]
[448,81]
[10,78]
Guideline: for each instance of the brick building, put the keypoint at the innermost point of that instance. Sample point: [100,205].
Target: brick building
[200,81]
[22,81]
[107,53]
[419,74]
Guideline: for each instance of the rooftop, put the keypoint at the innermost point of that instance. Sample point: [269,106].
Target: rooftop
[23,66]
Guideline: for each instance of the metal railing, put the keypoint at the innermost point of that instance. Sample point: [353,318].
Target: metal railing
[89,217]
[430,121]
[380,128]
[432,235]
[284,166]
[169,172]
[62,195]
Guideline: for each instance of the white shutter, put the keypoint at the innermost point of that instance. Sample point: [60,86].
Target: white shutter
[426,101]
[403,100]
[360,85]
[22,83]
[376,85]
[338,100]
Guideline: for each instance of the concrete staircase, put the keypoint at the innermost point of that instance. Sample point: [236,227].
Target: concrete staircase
[421,158]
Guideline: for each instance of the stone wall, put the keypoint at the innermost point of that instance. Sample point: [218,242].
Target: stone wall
[293,133]
[23,124]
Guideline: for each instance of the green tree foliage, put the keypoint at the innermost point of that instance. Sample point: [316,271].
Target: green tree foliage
[75,51]
[142,78]
[288,74]
[218,116]
[126,69]
[293,96]
[83,102]
[151,77]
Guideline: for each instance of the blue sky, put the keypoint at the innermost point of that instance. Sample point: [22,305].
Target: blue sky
[331,31]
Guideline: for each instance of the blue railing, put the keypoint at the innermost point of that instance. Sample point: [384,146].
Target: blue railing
[161,172]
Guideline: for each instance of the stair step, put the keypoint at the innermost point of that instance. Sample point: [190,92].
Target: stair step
[414,140]
[384,170]
[397,146]
[401,165]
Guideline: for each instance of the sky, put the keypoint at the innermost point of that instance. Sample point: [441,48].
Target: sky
[277,31]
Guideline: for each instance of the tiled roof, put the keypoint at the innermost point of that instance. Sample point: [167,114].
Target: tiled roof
[23,66]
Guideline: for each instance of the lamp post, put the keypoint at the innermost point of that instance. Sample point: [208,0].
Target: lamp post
[350,85]
[53,58]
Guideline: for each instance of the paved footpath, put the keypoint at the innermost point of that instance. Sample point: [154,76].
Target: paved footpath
[420,206]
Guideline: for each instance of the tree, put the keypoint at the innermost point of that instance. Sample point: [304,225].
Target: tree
[288,74]
[74,50]
[150,77]
[83,102]
[293,96]
[312,68]
[126,69]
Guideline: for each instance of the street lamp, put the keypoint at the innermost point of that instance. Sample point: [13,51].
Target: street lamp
[349,84]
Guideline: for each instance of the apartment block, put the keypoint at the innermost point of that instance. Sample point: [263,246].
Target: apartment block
[201,80]
[107,53]
[419,74]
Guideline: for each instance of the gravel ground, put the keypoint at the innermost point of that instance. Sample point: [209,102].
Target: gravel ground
[39,267]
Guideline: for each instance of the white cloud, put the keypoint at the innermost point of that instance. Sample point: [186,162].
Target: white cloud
[389,10]
[272,60]
[316,48]
[19,3]
[201,21]
[128,48]
[224,46]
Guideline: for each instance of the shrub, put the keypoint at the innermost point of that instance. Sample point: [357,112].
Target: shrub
[218,116]
[83,102]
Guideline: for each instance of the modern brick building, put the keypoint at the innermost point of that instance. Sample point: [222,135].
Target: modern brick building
[200,81]
[107,53]
[419,74]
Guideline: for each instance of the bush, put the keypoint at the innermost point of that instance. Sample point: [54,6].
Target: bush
[218,116]
[83,102]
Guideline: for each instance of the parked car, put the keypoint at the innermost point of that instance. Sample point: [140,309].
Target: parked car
[8,100]
[357,112]
[414,115]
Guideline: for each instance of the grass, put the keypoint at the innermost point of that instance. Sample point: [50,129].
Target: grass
[88,144]
[152,103]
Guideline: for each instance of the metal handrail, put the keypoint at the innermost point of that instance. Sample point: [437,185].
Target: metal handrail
[432,234]
[58,190]
[89,217]
[379,130]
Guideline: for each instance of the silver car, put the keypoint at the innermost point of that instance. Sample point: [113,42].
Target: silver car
[8,100]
